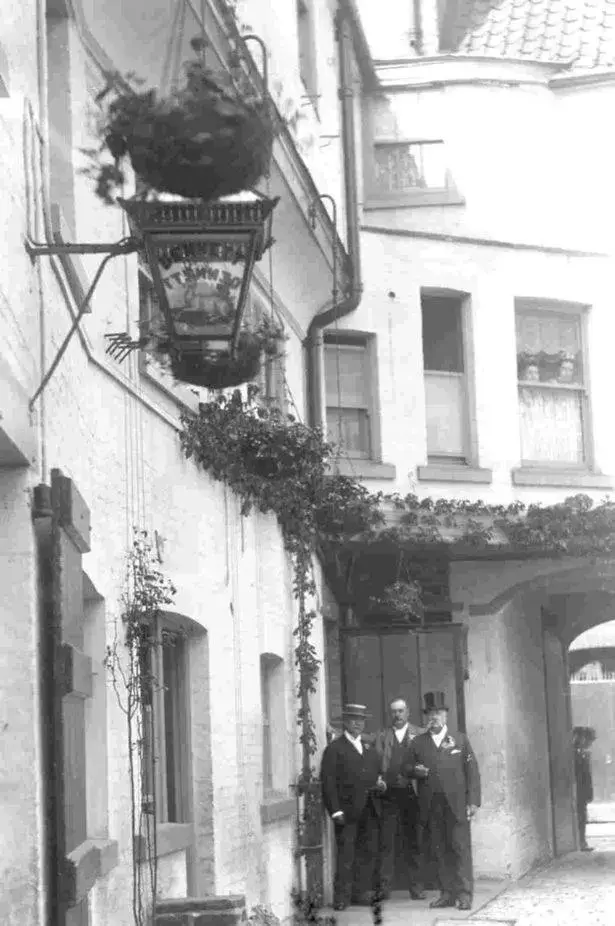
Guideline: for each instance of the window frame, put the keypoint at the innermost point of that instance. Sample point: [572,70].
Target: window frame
[431,196]
[536,306]
[469,457]
[368,341]
[168,624]
[274,728]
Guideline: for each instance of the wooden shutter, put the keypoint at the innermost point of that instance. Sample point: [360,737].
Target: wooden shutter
[63,534]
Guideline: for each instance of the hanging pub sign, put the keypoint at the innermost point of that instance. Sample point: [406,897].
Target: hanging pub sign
[201,257]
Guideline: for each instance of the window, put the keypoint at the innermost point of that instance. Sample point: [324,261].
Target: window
[307,47]
[165,709]
[551,383]
[445,378]
[410,173]
[349,395]
[403,167]
[275,738]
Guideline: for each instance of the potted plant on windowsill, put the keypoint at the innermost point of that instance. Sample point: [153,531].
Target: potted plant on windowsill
[207,138]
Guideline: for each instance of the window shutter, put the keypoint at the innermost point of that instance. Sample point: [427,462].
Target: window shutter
[72,679]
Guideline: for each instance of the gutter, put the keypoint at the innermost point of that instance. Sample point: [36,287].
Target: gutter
[345,25]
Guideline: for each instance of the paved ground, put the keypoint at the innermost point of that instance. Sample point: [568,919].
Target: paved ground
[576,890]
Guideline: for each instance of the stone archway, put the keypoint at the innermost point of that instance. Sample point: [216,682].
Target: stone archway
[521,616]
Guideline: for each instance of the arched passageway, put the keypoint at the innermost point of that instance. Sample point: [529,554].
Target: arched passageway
[591,660]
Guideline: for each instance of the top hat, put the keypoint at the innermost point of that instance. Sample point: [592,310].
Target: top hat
[355,710]
[434,701]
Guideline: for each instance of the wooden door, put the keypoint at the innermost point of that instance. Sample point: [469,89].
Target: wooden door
[378,666]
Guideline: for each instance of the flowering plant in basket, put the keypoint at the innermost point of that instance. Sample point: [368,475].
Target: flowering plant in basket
[207,138]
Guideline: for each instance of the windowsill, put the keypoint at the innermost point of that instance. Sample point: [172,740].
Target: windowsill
[170,837]
[277,806]
[453,472]
[364,469]
[91,860]
[420,198]
[546,476]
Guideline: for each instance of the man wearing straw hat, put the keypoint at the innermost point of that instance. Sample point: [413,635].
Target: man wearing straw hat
[445,767]
[350,787]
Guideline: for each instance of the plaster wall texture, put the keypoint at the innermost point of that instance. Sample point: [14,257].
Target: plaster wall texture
[507,726]
[114,432]
[513,151]
[493,278]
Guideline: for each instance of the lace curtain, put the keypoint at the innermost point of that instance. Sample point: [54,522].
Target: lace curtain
[551,426]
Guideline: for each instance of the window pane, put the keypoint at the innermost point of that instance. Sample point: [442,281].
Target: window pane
[445,407]
[551,425]
[404,167]
[442,334]
[349,429]
[171,670]
[346,375]
[549,348]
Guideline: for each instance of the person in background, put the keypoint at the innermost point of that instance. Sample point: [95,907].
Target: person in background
[448,780]
[350,789]
[400,809]
[583,738]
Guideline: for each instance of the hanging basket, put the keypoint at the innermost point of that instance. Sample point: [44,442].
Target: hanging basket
[200,369]
[205,140]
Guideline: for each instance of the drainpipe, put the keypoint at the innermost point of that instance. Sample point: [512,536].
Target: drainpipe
[314,341]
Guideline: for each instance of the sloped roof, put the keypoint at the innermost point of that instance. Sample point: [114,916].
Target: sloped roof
[578,31]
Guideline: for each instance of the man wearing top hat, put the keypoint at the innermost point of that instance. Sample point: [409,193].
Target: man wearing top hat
[350,787]
[445,767]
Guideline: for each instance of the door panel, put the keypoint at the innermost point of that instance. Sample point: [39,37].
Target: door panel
[439,667]
[401,672]
[362,664]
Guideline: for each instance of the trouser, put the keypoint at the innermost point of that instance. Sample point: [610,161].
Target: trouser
[450,845]
[400,815]
[356,856]
[582,821]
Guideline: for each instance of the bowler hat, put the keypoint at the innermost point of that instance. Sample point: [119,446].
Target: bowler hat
[355,710]
[434,701]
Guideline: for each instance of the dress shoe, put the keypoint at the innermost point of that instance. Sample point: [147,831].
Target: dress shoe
[417,893]
[464,902]
[444,900]
[339,905]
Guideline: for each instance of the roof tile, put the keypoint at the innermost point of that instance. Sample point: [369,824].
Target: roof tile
[544,30]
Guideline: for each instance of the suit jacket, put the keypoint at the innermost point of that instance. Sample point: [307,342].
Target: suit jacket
[583,775]
[385,742]
[346,777]
[453,764]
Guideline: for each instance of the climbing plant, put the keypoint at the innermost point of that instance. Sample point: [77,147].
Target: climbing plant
[130,661]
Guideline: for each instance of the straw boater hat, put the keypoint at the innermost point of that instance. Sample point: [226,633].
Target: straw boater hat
[355,710]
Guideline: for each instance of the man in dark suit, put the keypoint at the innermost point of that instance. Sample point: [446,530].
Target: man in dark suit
[583,738]
[400,817]
[350,787]
[445,767]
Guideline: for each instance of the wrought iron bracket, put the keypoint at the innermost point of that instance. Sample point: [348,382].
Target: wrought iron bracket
[43,249]
[37,249]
